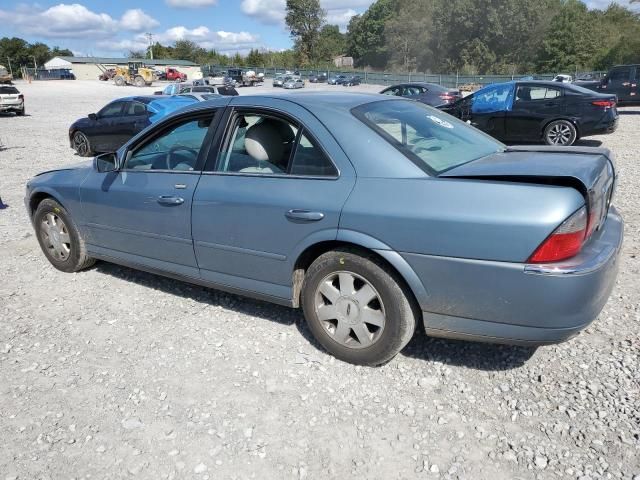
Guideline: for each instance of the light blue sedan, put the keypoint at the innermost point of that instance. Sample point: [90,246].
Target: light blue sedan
[373,214]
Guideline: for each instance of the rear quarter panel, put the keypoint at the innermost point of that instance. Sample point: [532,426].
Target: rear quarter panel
[487,220]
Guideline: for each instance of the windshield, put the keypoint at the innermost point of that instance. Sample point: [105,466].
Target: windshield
[433,140]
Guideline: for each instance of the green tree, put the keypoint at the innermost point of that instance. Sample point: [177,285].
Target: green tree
[331,43]
[408,35]
[365,34]
[255,58]
[304,19]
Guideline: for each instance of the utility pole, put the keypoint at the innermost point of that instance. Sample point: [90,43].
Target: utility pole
[150,38]
[35,65]
[10,69]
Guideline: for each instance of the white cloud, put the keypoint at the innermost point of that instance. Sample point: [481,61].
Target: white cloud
[74,21]
[340,17]
[221,40]
[339,12]
[191,3]
[61,21]
[265,11]
[603,4]
[136,20]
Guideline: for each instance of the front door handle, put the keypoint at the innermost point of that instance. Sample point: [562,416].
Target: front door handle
[304,215]
[170,200]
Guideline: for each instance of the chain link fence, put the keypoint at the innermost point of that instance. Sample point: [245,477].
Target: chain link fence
[391,78]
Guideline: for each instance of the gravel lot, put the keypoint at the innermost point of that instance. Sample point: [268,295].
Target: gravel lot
[113,373]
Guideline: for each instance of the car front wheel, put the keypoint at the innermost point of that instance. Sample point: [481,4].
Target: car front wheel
[59,237]
[560,133]
[357,307]
[81,144]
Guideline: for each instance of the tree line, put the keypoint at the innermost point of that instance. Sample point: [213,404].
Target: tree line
[472,36]
[430,36]
[16,53]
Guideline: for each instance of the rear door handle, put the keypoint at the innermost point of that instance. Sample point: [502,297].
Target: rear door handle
[304,215]
[170,200]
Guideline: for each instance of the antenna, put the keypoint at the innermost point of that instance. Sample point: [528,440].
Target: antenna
[150,38]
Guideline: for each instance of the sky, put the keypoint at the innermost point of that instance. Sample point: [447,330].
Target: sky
[114,27]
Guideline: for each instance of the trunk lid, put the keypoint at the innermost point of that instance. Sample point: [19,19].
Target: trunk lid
[589,170]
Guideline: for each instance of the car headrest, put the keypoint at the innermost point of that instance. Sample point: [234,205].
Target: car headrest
[263,142]
[138,109]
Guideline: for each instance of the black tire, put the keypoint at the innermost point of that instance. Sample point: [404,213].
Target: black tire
[21,112]
[81,144]
[119,81]
[77,258]
[560,133]
[396,302]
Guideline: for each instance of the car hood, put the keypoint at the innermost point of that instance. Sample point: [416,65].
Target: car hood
[83,165]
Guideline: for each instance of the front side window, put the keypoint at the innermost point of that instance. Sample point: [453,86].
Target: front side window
[264,144]
[175,149]
[393,91]
[135,109]
[433,140]
[114,109]
[494,98]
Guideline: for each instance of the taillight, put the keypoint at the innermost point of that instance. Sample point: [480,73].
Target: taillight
[604,103]
[565,242]
[20,97]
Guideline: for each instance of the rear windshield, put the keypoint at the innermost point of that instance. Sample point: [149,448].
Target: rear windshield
[8,90]
[433,140]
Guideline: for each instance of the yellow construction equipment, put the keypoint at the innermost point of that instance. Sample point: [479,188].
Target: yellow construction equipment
[136,73]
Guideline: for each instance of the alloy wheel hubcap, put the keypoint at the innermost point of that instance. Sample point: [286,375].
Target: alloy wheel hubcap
[350,309]
[559,134]
[80,142]
[55,236]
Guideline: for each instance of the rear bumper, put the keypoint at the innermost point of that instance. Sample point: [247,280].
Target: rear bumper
[11,106]
[518,303]
[606,125]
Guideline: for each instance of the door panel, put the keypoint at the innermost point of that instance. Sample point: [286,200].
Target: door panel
[247,225]
[533,107]
[143,211]
[128,212]
[619,83]
[486,109]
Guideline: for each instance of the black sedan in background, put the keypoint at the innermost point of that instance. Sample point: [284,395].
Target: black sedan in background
[320,78]
[427,93]
[118,121]
[352,81]
[531,111]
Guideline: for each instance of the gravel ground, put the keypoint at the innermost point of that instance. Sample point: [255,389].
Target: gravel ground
[113,373]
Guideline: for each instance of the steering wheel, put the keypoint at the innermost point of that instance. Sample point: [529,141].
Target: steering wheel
[177,148]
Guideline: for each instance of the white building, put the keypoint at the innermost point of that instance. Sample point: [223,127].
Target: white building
[89,68]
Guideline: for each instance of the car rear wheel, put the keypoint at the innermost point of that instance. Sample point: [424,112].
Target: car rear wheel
[21,112]
[357,308]
[59,237]
[561,133]
[81,144]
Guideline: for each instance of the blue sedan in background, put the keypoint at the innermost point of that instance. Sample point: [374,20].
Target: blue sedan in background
[118,121]
[373,214]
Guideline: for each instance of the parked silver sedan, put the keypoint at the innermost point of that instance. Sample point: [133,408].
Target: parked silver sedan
[293,83]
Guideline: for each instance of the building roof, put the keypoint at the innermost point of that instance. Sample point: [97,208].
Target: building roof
[116,60]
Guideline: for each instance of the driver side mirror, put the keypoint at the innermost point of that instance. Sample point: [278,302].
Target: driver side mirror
[93,116]
[107,162]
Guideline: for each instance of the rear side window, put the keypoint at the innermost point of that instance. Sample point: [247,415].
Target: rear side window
[433,140]
[527,93]
[620,74]
[268,145]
